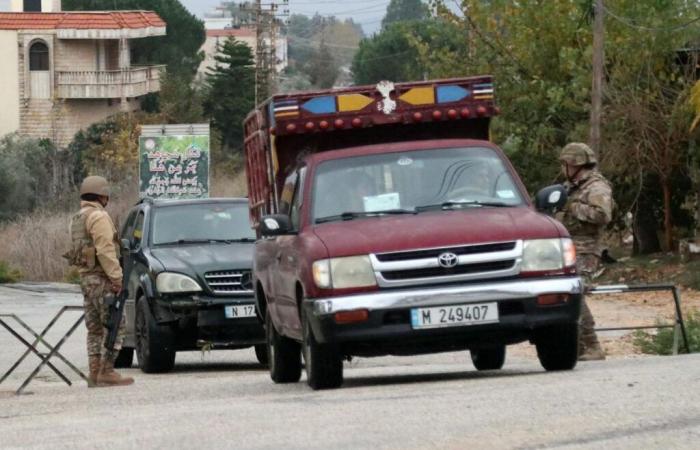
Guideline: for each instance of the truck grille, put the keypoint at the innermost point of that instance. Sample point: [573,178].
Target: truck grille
[233,282]
[469,263]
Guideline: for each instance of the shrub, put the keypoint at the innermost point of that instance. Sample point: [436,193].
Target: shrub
[661,343]
[8,274]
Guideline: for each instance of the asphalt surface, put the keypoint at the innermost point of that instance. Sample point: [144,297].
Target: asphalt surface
[226,400]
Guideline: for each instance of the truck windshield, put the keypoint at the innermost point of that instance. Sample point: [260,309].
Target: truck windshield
[412,182]
[201,223]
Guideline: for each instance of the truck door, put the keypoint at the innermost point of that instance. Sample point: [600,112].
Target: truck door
[288,257]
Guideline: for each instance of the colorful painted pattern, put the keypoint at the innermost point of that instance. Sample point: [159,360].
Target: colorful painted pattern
[483,91]
[285,109]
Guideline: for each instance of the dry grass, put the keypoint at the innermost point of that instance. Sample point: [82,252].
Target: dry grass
[35,243]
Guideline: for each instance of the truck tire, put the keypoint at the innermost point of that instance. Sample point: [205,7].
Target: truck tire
[491,358]
[261,354]
[323,362]
[155,344]
[125,358]
[557,347]
[283,354]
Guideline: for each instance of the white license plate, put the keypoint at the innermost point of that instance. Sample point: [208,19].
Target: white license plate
[239,312]
[454,315]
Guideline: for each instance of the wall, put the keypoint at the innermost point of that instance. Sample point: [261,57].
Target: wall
[9,80]
[75,54]
[46,6]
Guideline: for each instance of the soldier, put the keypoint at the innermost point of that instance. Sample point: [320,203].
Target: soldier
[95,251]
[588,210]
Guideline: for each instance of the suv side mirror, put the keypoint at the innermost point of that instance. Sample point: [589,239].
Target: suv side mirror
[275,225]
[551,198]
[126,245]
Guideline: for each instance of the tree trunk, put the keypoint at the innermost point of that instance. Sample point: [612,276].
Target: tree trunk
[668,226]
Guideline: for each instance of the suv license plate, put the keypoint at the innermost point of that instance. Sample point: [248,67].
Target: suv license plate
[239,312]
[454,315]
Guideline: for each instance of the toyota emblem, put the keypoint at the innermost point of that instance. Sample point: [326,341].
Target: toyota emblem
[447,260]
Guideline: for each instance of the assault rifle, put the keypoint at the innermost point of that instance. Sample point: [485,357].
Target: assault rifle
[115,312]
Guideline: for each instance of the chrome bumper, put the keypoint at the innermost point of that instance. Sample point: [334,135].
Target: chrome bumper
[448,295]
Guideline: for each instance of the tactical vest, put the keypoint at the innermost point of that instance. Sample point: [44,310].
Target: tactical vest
[82,253]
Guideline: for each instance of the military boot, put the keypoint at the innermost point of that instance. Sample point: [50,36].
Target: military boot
[592,352]
[94,363]
[108,377]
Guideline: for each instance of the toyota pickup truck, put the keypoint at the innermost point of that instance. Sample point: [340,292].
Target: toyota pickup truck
[388,224]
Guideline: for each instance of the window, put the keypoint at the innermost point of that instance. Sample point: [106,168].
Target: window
[137,234]
[205,222]
[298,198]
[39,57]
[32,5]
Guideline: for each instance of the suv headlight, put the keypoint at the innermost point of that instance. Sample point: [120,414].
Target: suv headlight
[344,273]
[169,283]
[542,255]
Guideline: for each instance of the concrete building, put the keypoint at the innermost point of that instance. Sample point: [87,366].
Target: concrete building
[63,71]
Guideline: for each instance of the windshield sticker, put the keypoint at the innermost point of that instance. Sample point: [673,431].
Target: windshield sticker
[405,161]
[384,202]
[506,194]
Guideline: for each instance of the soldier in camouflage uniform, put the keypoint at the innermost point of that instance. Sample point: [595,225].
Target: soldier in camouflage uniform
[588,210]
[95,252]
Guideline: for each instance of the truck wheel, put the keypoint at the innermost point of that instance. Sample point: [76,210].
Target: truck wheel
[283,354]
[261,354]
[125,358]
[489,358]
[324,362]
[155,344]
[557,347]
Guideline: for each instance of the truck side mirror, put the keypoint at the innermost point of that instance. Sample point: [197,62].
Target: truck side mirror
[275,225]
[126,245]
[551,198]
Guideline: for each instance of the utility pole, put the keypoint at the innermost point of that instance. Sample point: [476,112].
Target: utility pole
[267,22]
[598,74]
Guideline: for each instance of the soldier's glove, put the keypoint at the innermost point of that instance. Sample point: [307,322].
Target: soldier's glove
[116,286]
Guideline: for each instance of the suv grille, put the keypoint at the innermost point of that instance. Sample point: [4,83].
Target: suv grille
[448,264]
[237,282]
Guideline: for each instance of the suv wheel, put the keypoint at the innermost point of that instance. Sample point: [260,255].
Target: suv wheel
[125,358]
[491,358]
[261,354]
[324,362]
[283,354]
[155,344]
[557,347]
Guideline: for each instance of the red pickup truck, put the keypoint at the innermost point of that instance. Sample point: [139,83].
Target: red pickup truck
[388,224]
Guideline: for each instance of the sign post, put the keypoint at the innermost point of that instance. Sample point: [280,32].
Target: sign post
[174,161]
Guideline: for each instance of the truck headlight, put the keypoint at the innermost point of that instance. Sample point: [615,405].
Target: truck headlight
[169,283]
[344,273]
[542,255]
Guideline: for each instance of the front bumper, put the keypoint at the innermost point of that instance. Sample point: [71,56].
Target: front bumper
[201,317]
[389,326]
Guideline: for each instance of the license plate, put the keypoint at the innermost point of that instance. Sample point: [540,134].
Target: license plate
[454,315]
[239,312]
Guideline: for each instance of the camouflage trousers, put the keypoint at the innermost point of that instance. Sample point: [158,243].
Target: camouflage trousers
[95,288]
[587,266]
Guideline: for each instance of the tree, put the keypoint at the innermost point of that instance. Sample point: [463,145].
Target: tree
[323,70]
[180,100]
[180,49]
[230,93]
[404,11]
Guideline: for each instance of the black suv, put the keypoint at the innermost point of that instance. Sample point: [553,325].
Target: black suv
[188,269]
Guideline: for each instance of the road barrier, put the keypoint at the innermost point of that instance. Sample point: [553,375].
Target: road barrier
[678,326]
[40,338]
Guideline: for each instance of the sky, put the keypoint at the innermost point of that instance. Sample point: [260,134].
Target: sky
[368,13]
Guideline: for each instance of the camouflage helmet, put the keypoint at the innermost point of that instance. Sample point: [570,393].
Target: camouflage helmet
[578,154]
[95,186]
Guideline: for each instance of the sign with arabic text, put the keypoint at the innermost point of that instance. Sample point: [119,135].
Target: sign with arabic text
[174,166]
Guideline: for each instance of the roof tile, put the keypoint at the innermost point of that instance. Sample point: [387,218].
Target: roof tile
[105,20]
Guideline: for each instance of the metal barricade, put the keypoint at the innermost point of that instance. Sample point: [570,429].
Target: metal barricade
[678,326]
[40,339]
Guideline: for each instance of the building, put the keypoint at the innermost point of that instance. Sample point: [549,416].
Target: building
[217,37]
[63,71]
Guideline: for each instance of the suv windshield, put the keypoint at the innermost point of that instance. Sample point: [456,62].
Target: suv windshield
[206,222]
[412,182]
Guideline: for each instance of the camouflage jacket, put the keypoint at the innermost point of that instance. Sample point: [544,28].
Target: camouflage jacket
[105,243]
[588,210]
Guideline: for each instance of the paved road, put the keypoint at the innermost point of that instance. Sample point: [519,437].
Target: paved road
[225,400]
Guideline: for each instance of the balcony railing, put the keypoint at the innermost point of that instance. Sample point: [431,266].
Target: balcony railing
[128,83]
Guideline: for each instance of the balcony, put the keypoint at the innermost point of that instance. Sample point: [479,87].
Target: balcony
[91,84]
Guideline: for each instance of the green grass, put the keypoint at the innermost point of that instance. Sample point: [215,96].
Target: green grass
[661,343]
[9,274]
